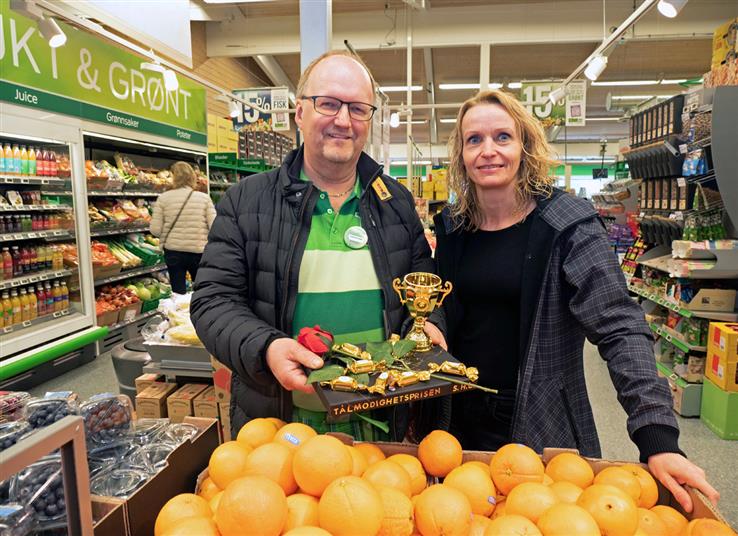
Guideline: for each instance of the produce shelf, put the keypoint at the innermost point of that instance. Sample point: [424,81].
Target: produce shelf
[14,179]
[119,231]
[30,235]
[35,321]
[121,193]
[34,278]
[133,320]
[35,208]
[670,337]
[131,273]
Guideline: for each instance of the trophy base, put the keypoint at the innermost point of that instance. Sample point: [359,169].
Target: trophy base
[421,340]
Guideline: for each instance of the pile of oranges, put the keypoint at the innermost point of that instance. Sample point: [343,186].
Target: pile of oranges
[278,478]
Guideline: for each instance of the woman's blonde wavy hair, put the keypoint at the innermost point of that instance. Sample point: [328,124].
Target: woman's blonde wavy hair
[183,175]
[535,176]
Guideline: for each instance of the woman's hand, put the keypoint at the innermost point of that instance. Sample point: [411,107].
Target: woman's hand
[435,335]
[673,470]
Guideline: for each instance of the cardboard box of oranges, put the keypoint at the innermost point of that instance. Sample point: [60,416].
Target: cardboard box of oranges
[286,477]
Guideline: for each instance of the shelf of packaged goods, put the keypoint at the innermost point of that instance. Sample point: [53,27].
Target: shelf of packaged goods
[40,320]
[34,181]
[29,279]
[119,231]
[131,273]
[59,234]
[35,208]
[133,320]
[121,193]
[687,313]
[672,337]
[231,167]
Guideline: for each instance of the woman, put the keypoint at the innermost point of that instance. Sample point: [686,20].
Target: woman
[533,276]
[182,218]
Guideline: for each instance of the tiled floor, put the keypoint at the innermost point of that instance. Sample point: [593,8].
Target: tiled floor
[717,457]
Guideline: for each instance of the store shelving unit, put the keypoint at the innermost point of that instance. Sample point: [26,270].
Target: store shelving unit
[119,231]
[130,273]
[227,170]
[122,193]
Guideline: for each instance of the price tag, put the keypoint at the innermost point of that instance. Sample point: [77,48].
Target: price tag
[26,323]
[33,279]
[58,233]
[44,181]
[18,236]
[57,314]
[683,148]
[7,329]
[23,281]
[32,235]
[681,182]
[25,181]
[667,337]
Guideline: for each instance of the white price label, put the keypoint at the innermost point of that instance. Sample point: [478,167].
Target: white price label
[7,329]
[681,182]
[32,235]
[44,181]
[18,236]
[24,181]
[24,281]
[26,323]
[683,148]
[33,279]
[57,314]
[58,233]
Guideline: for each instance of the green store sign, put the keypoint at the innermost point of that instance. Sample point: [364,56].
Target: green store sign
[91,79]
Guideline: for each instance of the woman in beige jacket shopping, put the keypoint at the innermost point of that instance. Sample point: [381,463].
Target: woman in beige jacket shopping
[182,218]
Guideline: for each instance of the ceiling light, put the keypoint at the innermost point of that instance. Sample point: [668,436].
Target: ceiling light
[495,85]
[51,32]
[671,8]
[603,119]
[460,86]
[414,122]
[448,120]
[234,109]
[626,83]
[170,80]
[515,85]
[595,67]
[557,94]
[666,82]
[640,97]
[394,89]
[394,120]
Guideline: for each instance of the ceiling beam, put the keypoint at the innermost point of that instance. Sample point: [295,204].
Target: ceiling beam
[564,21]
[484,65]
[430,85]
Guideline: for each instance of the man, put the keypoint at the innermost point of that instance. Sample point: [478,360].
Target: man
[317,241]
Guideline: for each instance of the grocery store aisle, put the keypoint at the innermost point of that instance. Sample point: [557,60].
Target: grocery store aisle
[87,380]
[719,458]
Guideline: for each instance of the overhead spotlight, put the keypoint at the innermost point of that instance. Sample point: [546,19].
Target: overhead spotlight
[557,94]
[170,80]
[51,32]
[234,109]
[394,120]
[595,67]
[671,8]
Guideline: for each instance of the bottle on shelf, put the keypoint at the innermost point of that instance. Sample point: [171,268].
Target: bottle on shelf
[9,162]
[41,158]
[56,293]
[32,161]
[52,165]
[58,259]
[15,301]
[64,295]
[25,305]
[2,170]
[33,301]
[16,160]
[7,263]
[24,160]
[17,266]
[7,309]
[40,299]
[49,298]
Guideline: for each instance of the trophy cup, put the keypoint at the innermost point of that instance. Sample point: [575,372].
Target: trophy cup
[421,293]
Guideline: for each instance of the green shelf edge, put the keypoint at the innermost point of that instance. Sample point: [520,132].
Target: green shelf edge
[39,358]
[230,167]
[679,344]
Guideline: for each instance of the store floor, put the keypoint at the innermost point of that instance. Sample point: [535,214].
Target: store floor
[717,457]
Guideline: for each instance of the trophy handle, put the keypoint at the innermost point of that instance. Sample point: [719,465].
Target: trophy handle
[444,291]
[397,285]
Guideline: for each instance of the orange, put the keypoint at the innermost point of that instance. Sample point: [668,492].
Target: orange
[675,522]
[650,524]
[371,452]
[319,461]
[476,484]
[479,525]
[227,462]
[513,464]
[649,488]
[418,478]
[294,434]
[512,525]
[350,506]
[530,499]
[614,510]
[442,510]
[307,531]
[439,452]
[570,467]
[193,526]
[387,473]
[254,503]
[707,527]
[302,510]
[257,432]
[398,513]
[479,464]
[274,461]
[620,478]
[215,501]
[359,461]
[279,423]
[208,489]
[179,507]
[499,509]
[566,519]
[566,491]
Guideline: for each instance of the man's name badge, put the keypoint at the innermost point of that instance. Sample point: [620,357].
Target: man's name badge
[381,189]
[355,237]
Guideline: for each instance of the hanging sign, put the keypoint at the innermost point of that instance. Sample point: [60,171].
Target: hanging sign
[576,103]
[266,98]
[91,79]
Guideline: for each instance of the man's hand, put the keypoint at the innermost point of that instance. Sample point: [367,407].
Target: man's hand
[435,335]
[673,470]
[285,357]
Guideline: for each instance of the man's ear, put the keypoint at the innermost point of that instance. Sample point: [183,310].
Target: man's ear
[298,113]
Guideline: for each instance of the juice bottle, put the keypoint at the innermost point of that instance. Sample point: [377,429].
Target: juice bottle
[16,160]
[24,160]
[49,298]
[9,163]
[33,301]
[32,161]
[6,309]
[33,259]
[40,299]
[41,162]
[25,306]
[24,260]
[47,257]
[17,266]
[59,258]
[2,170]
[7,264]
[15,301]
[65,295]
[53,168]
[56,293]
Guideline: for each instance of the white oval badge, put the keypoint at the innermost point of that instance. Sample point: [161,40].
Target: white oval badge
[355,237]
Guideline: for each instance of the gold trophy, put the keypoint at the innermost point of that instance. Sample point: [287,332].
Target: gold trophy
[421,293]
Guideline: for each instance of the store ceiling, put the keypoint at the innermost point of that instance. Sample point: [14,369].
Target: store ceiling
[656,49]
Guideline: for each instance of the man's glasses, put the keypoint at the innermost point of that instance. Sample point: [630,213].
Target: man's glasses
[330,106]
